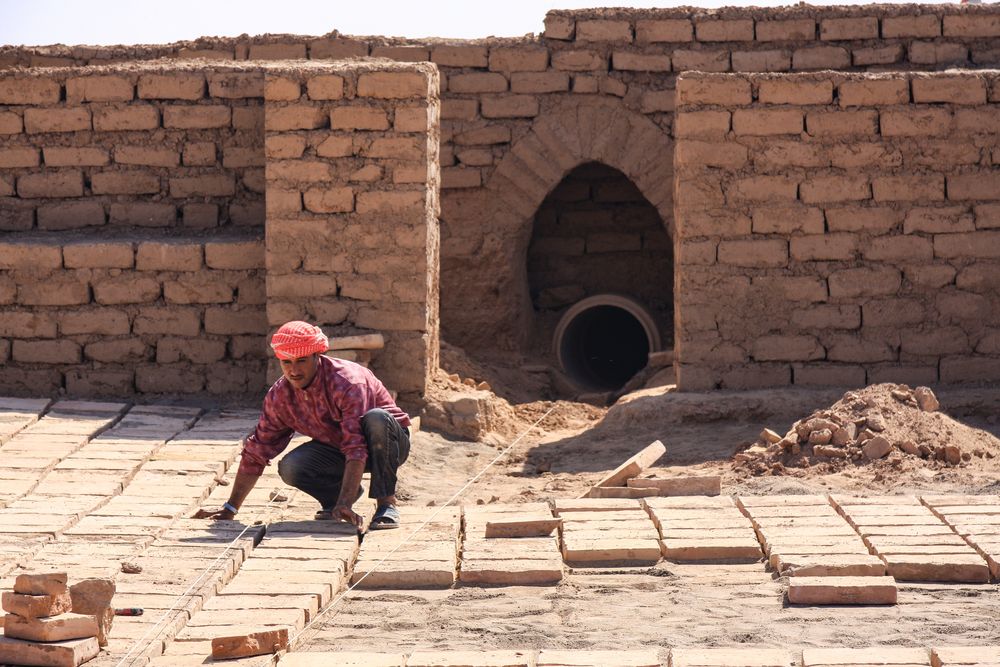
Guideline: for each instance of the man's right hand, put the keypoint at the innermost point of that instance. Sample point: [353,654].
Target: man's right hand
[220,514]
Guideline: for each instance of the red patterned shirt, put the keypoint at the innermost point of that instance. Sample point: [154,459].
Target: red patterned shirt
[328,410]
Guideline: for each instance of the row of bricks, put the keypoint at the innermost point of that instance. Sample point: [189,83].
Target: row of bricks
[848,247]
[95,213]
[948,370]
[188,85]
[195,154]
[105,290]
[823,189]
[563,27]
[150,320]
[948,88]
[131,118]
[128,379]
[179,255]
[820,125]
[71,183]
[870,221]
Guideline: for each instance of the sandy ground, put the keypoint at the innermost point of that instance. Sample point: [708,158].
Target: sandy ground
[669,605]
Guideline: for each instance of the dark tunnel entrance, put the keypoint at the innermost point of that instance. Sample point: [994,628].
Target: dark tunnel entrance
[596,240]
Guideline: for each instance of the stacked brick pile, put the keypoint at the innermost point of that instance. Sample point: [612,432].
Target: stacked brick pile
[511,545]
[41,629]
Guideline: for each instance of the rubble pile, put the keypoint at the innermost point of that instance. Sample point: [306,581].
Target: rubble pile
[880,422]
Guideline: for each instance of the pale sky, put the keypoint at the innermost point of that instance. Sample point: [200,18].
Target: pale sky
[44,22]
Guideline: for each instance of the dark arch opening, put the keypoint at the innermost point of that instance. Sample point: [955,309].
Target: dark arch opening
[595,234]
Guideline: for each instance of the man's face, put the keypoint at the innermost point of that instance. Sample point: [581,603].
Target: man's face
[301,371]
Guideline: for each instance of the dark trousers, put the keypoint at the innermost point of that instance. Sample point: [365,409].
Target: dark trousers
[318,469]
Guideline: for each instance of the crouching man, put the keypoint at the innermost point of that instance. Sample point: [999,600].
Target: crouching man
[352,419]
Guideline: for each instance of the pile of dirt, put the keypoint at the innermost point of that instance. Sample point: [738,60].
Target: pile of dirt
[889,425]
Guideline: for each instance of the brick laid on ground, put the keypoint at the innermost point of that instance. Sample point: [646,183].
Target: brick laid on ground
[842,590]
[705,528]
[871,657]
[70,653]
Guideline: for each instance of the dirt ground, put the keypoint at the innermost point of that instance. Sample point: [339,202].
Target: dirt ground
[669,605]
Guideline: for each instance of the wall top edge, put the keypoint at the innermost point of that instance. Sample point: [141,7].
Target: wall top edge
[799,11]
[835,75]
[203,66]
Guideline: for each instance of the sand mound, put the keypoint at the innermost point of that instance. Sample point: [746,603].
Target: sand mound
[882,424]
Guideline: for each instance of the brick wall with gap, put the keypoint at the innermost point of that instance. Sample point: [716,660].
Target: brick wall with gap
[118,316]
[352,204]
[494,92]
[836,228]
[149,146]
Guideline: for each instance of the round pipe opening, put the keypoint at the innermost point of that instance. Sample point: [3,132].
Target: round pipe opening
[603,340]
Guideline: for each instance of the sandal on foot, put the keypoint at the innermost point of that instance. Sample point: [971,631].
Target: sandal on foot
[386,517]
[324,515]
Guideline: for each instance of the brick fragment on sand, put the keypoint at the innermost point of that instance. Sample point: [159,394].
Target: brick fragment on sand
[730,657]
[522,526]
[69,653]
[692,485]
[635,465]
[33,606]
[50,628]
[262,642]
[842,590]
[48,583]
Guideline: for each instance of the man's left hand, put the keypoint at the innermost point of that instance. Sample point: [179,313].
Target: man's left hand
[346,514]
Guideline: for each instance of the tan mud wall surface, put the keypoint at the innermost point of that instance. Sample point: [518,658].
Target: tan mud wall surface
[838,229]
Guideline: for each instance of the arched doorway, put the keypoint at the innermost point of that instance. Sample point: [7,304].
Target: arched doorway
[596,239]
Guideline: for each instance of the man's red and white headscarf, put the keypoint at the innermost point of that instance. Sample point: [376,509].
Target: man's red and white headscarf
[298,339]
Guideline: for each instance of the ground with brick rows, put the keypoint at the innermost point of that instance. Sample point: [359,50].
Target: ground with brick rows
[519,570]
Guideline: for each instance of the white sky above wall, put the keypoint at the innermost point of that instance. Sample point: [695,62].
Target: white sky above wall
[44,22]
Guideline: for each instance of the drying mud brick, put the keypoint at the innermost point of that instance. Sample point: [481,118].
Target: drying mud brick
[261,642]
[34,606]
[700,485]
[731,657]
[522,526]
[41,584]
[619,658]
[842,590]
[51,628]
[946,656]
[875,655]
[69,653]
[635,465]
[520,572]
[968,567]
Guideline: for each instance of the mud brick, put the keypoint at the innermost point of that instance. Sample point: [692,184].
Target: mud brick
[69,653]
[694,485]
[18,157]
[821,57]
[151,156]
[207,185]
[949,89]
[10,123]
[236,85]
[295,117]
[702,60]
[916,123]
[710,548]
[53,583]
[765,252]
[124,183]
[33,606]
[762,61]
[343,658]
[428,658]
[881,655]
[280,89]
[421,574]
[51,628]
[925,25]
[972,25]
[277,51]
[99,89]
[175,86]
[611,551]
[157,256]
[262,642]
[970,568]
[524,571]
[131,118]
[885,55]
[522,526]
[872,92]
[829,565]
[394,85]
[600,30]
[56,120]
[75,157]
[835,189]
[730,657]
[235,255]
[639,62]
[54,184]
[842,590]
[762,122]
[667,30]
[839,29]
[70,215]
[842,123]
[514,59]
[196,117]
[702,124]
[634,465]
[25,90]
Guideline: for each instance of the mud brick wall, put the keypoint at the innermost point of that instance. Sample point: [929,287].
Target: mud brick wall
[518,115]
[838,228]
[155,146]
[118,316]
[352,204]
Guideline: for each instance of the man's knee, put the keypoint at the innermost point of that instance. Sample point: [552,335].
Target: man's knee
[377,425]
[290,471]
